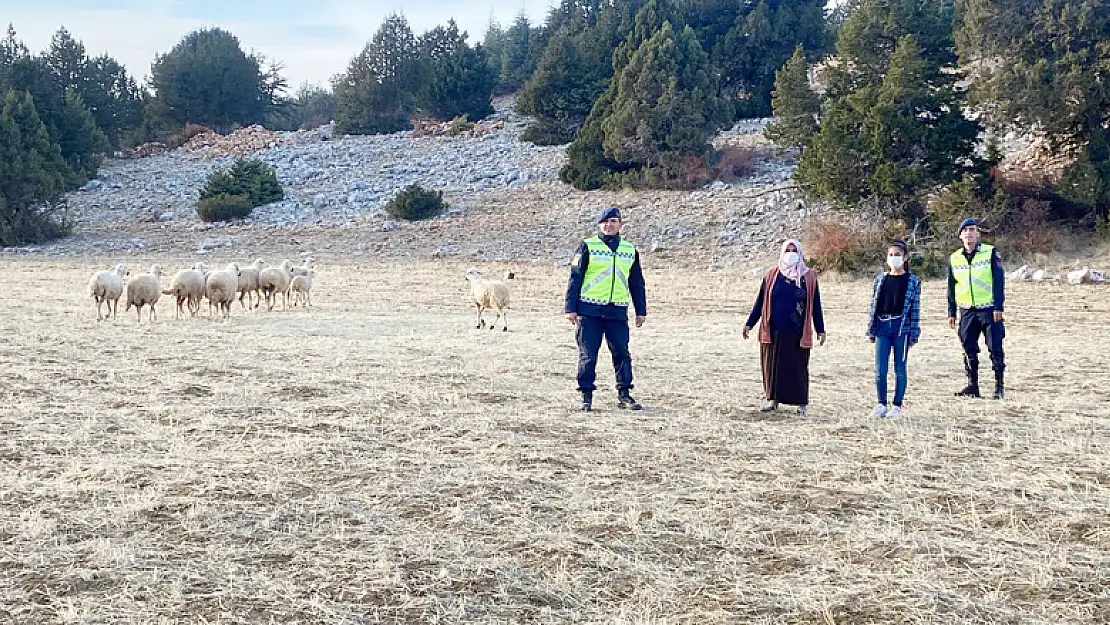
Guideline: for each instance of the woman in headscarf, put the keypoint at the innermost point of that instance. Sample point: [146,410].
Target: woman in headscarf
[789,308]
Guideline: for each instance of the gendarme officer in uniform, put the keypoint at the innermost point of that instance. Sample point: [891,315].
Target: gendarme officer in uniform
[605,277]
[976,286]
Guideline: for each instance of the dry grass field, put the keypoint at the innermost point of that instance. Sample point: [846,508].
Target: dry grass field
[379,460]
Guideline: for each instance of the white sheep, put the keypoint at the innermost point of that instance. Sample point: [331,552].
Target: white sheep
[107,287]
[1021,274]
[1080,276]
[144,289]
[305,267]
[301,288]
[489,294]
[248,283]
[274,280]
[187,286]
[221,287]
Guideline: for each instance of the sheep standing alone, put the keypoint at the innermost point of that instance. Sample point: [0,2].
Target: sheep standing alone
[301,288]
[144,290]
[489,294]
[187,286]
[221,287]
[248,283]
[107,287]
[274,280]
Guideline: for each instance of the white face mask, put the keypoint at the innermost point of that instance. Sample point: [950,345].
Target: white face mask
[895,262]
[791,258]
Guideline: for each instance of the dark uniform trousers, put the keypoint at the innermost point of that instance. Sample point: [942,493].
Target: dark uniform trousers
[589,333]
[975,322]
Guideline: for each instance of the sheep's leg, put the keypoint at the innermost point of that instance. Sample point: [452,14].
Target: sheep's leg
[480,322]
[504,320]
[139,312]
[243,294]
[153,312]
[98,301]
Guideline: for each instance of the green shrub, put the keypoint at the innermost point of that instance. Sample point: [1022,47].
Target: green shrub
[224,207]
[415,202]
[247,177]
[547,133]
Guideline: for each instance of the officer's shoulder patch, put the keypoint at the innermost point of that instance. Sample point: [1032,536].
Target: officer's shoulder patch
[577,260]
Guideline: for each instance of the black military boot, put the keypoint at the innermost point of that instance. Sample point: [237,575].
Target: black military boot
[587,401]
[998,385]
[624,400]
[972,389]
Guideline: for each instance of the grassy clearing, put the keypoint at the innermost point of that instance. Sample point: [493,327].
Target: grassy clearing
[377,459]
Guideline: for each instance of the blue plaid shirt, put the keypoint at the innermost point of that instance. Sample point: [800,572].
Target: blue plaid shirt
[911,312]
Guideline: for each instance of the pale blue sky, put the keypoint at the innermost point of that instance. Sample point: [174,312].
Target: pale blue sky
[313,39]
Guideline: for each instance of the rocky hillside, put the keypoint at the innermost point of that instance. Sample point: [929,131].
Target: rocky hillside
[506,201]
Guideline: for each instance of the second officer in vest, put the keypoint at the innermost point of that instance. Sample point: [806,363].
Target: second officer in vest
[605,278]
[976,286]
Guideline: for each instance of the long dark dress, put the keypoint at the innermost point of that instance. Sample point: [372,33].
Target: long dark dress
[784,361]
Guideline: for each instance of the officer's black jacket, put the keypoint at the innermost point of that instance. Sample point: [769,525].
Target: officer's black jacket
[610,311]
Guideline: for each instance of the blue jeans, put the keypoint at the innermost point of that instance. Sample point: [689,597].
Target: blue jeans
[888,340]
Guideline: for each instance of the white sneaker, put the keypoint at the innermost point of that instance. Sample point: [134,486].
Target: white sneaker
[770,406]
[879,411]
[895,412]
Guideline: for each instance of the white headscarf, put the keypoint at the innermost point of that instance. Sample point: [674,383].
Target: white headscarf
[793,272]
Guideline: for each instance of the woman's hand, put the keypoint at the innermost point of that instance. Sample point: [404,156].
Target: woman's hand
[871,338]
[821,339]
[745,333]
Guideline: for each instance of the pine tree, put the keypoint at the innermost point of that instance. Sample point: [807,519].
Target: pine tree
[522,47]
[32,174]
[378,92]
[891,141]
[67,60]
[83,143]
[588,166]
[795,105]
[666,107]
[1047,62]
[659,111]
[576,67]
[460,81]
[561,91]
[114,98]
[762,38]
[207,79]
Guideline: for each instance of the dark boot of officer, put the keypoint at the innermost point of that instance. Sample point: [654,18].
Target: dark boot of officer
[998,385]
[625,401]
[971,367]
[587,401]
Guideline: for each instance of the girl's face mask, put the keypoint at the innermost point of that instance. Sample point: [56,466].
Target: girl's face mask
[895,261]
[791,258]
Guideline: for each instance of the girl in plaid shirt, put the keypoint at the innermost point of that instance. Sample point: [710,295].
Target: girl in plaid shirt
[894,326]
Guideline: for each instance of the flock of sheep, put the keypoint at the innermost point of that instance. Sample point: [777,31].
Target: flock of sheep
[1086,275]
[251,284]
[254,282]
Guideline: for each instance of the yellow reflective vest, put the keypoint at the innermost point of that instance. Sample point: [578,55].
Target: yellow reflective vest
[606,279]
[974,280]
